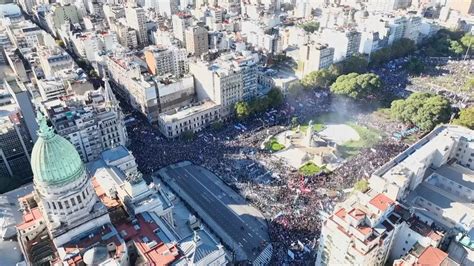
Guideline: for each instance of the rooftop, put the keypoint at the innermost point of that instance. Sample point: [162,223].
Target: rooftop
[432,256]
[114,154]
[144,232]
[105,236]
[187,111]
[381,202]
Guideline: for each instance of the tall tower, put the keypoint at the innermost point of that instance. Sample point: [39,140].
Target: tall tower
[63,188]
[136,19]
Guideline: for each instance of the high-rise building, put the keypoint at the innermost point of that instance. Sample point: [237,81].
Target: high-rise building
[314,56]
[92,124]
[226,80]
[54,60]
[465,7]
[15,141]
[197,40]
[344,42]
[180,22]
[136,19]
[387,5]
[167,60]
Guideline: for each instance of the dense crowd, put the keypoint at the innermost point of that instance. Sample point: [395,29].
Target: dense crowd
[293,205]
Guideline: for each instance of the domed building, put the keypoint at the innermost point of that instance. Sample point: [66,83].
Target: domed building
[63,189]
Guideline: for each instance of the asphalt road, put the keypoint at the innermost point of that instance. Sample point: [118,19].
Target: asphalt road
[247,230]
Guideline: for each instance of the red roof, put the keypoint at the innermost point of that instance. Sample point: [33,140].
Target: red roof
[432,256]
[357,214]
[341,213]
[381,202]
[142,233]
[30,218]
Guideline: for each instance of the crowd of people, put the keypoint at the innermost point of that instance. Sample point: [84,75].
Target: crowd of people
[293,205]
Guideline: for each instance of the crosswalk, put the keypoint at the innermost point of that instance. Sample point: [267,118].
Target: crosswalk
[264,257]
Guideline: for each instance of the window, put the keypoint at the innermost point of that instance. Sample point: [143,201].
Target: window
[79,200]
[73,202]
[60,205]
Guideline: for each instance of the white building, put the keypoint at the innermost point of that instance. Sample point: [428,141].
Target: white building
[54,60]
[92,124]
[387,5]
[181,22]
[162,60]
[227,80]
[432,181]
[344,42]
[191,118]
[313,57]
[136,20]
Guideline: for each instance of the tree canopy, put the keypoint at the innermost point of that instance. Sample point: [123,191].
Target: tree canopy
[310,26]
[424,110]
[466,118]
[319,79]
[361,185]
[274,98]
[399,48]
[415,66]
[354,64]
[242,110]
[357,86]
[446,43]
[295,89]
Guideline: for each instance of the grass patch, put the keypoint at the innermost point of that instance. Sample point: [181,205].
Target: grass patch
[368,138]
[273,145]
[310,168]
[316,127]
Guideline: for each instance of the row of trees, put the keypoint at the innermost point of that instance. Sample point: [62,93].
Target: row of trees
[243,109]
[449,43]
[398,49]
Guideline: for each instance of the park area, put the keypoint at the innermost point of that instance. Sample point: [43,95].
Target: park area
[327,140]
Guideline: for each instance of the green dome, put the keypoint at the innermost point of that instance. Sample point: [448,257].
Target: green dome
[54,160]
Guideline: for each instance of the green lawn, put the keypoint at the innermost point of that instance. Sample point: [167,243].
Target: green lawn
[310,168]
[316,127]
[368,138]
[273,145]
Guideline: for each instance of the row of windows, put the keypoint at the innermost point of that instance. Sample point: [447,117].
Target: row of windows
[65,204]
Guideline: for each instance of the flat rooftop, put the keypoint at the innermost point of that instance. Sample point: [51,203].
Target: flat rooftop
[115,154]
[183,113]
[225,211]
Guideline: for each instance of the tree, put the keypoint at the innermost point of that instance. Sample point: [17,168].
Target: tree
[399,48]
[423,110]
[260,104]
[275,97]
[357,86]
[294,121]
[295,89]
[415,66]
[468,41]
[242,110]
[456,47]
[361,185]
[318,79]
[466,118]
[310,26]
[188,135]
[355,64]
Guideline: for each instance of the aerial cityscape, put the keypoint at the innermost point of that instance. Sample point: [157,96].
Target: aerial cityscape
[236,132]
